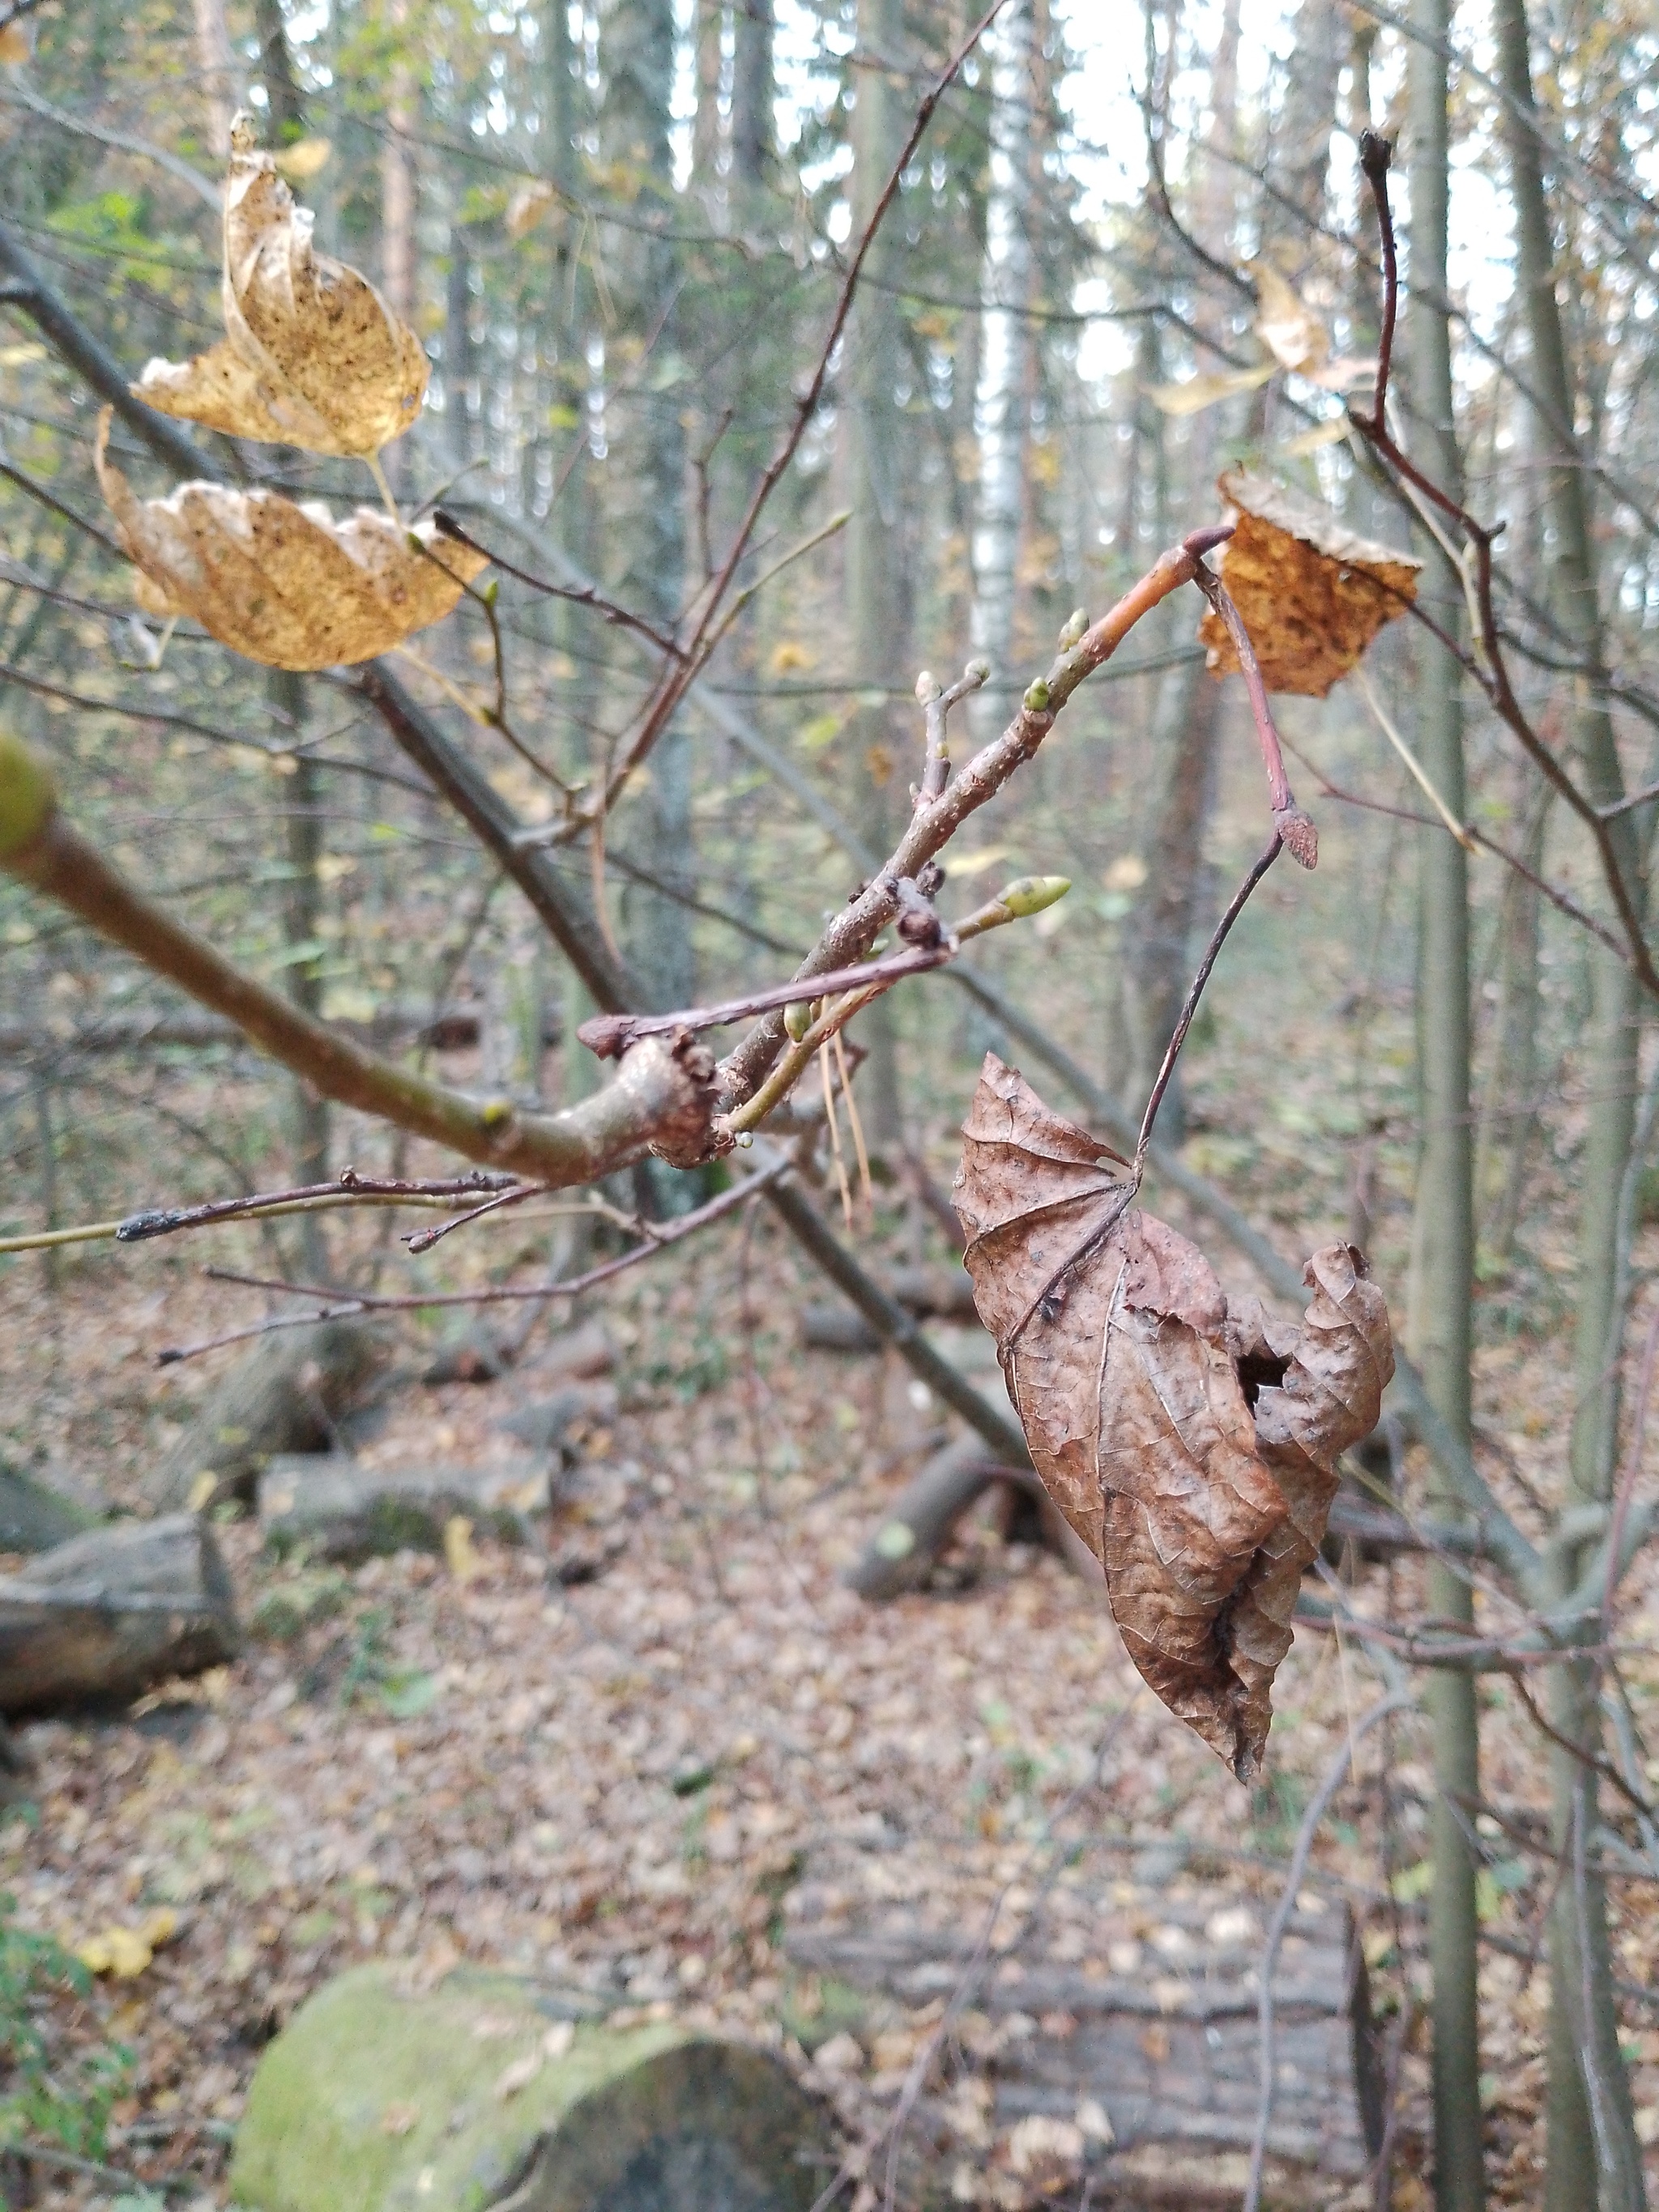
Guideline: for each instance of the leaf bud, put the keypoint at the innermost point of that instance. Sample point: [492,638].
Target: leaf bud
[26,797]
[1076,623]
[1031,894]
[1035,701]
[490,592]
[978,671]
[927,688]
[798,1018]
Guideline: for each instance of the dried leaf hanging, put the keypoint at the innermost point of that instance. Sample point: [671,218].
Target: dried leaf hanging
[1311,593]
[1192,1452]
[312,355]
[279,580]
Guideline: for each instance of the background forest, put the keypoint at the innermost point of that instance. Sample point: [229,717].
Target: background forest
[1133,249]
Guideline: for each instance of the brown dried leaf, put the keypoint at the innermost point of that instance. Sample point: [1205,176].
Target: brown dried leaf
[280,581]
[312,355]
[1311,593]
[1194,1456]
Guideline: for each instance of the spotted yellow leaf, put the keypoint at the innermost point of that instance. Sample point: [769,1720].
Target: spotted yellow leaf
[312,355]
[279,580]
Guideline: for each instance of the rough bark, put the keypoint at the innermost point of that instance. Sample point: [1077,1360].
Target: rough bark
[110,1612]
[753,90]
[1443,1239]
[288,1394]
[1156,2024]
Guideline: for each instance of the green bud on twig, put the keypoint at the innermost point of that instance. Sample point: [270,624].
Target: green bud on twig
[1035,701]
[798,1018]
[1031,894]
[27,797]
[490,591]
[978,671]
[1077,622]
[927,688]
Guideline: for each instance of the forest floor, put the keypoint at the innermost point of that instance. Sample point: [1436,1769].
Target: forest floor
[612,1783]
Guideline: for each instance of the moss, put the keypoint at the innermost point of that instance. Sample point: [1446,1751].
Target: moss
[383,2100]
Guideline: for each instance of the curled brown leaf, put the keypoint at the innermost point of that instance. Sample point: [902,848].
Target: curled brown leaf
[279,580]
[1192,1450]
[312,356]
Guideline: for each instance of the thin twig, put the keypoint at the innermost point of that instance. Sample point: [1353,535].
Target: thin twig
[609,1035]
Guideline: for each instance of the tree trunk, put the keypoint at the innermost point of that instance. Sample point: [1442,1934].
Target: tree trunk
[107,1614]
[882,742]
[753,90]
[1594,2156]
[399,195]
[276,73]
[1006,347]
[302,911]
[1443,1228]
[637,59]
[222,79]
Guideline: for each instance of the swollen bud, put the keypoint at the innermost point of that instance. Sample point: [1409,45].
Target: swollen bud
[1076,623]
[1031,894]
[491,592]
[798,1018]
[1035,701]
[927,688]
[27,797]
[979,671]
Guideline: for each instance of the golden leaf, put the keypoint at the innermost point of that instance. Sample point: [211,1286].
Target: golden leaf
[1312,594]
[1287,326]
[527,206]
[279,580]
[14,46]
[460,1550]
[124,1952]
[303,160]
[1201,391]
[312,356]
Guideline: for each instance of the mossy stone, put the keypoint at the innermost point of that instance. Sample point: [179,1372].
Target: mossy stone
[383,2099]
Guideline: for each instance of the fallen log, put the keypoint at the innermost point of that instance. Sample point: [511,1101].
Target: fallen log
[1124,2014]
[547,1424]
[105,1616]
[340,1509]
[33,1517]
[289,1393]
[930,1293]
[486,2091]
[922,1519]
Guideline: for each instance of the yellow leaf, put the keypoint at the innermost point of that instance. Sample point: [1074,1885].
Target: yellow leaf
[202,1490]
[303,160]
[969,864]
[281,581]
[19,356]
[1311,595]
[460,1550]
[1205,391]
[1323,434]
[527,206]
[312,355]
[1287,326]
[125,1952]
[786,658]
[15,44]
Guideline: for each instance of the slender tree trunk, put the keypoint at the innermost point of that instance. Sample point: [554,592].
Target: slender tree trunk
[707,134]
[1594,2156]
[1187,729]
[877,594]
[222,80]
[1509,1113]
[1443,1230]
[1005,350]
[399,201]
[637,59]
[302,913]
[276,73]
[753,90]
